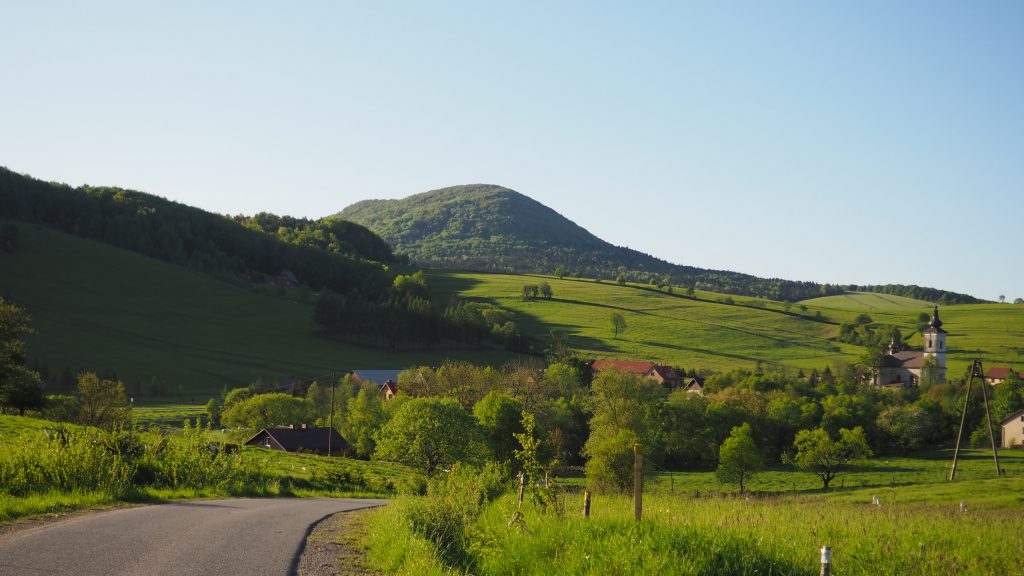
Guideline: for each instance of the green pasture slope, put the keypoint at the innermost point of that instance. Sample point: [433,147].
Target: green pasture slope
[661,327]
[707,333]
[96,307]
[995,332]
[868,302]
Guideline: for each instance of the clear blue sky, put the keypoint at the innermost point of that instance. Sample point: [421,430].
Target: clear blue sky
[853,142]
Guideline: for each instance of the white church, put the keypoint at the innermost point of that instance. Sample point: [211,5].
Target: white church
[903,369]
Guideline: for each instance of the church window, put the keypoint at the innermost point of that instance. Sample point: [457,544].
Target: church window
[899,378]
[942,345]
[928,343]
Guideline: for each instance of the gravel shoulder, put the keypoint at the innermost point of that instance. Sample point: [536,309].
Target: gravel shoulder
[333,548]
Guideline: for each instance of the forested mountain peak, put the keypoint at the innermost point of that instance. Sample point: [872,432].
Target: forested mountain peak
[492,228]
[472,211]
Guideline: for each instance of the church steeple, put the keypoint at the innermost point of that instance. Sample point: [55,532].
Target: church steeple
[893,346]
[935,344]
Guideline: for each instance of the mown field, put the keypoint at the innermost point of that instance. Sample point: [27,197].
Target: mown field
[161,326]
[706,333]
[918,526]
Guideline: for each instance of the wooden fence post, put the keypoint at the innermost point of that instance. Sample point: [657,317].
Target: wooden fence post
[522,487]
[638,467]
[586,504]
[826,561]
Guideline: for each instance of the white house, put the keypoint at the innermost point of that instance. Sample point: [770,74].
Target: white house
[1013,430]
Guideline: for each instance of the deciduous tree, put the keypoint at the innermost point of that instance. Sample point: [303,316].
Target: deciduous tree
[20,388]
[499,417]
[738,458]
[267,410]
[817,452]
[430,433]
[102,402]
[618,324]
[625,411]
[365,417]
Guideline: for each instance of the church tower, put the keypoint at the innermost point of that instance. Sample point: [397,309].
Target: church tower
[935,345]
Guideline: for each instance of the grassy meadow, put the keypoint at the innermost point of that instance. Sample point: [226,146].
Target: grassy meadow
[917,528]
[660,327]
[95,469]
[149,413]
[707,333]
[161,326]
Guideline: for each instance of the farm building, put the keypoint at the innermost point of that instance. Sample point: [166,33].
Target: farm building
[665,375]
[1013,430]
[998,374]
[291,439]
[903,368]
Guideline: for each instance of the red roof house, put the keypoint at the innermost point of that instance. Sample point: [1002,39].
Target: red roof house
[665,375]
[997,374]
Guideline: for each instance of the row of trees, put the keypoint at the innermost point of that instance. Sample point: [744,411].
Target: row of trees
[461,412]
[331,234]
[188,236]
[406,318]
[535,291]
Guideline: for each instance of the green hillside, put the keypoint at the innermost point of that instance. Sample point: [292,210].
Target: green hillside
[867,302]
[341,256]
[491,228]
[156,324]
[161,326]
[706,333]
[662,327]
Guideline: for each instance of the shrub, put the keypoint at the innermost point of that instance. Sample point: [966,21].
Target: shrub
[453,503]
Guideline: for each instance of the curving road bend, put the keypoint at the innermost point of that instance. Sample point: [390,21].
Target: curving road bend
[244,537]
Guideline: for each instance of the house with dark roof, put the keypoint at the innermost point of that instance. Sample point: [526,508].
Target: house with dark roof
[999,374]
[377,377]
[902,368]
[291,439]
[388,390]
[287,279]
[665,375]
[693,385]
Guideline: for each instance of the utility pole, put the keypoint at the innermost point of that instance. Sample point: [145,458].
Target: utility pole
[976,372]
[638,467]
[330,430]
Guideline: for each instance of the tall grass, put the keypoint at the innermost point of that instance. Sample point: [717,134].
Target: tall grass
[440,526]
[776,534]
[78,464]
[78,461]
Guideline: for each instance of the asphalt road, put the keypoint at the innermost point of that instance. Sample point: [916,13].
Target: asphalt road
[243,537]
